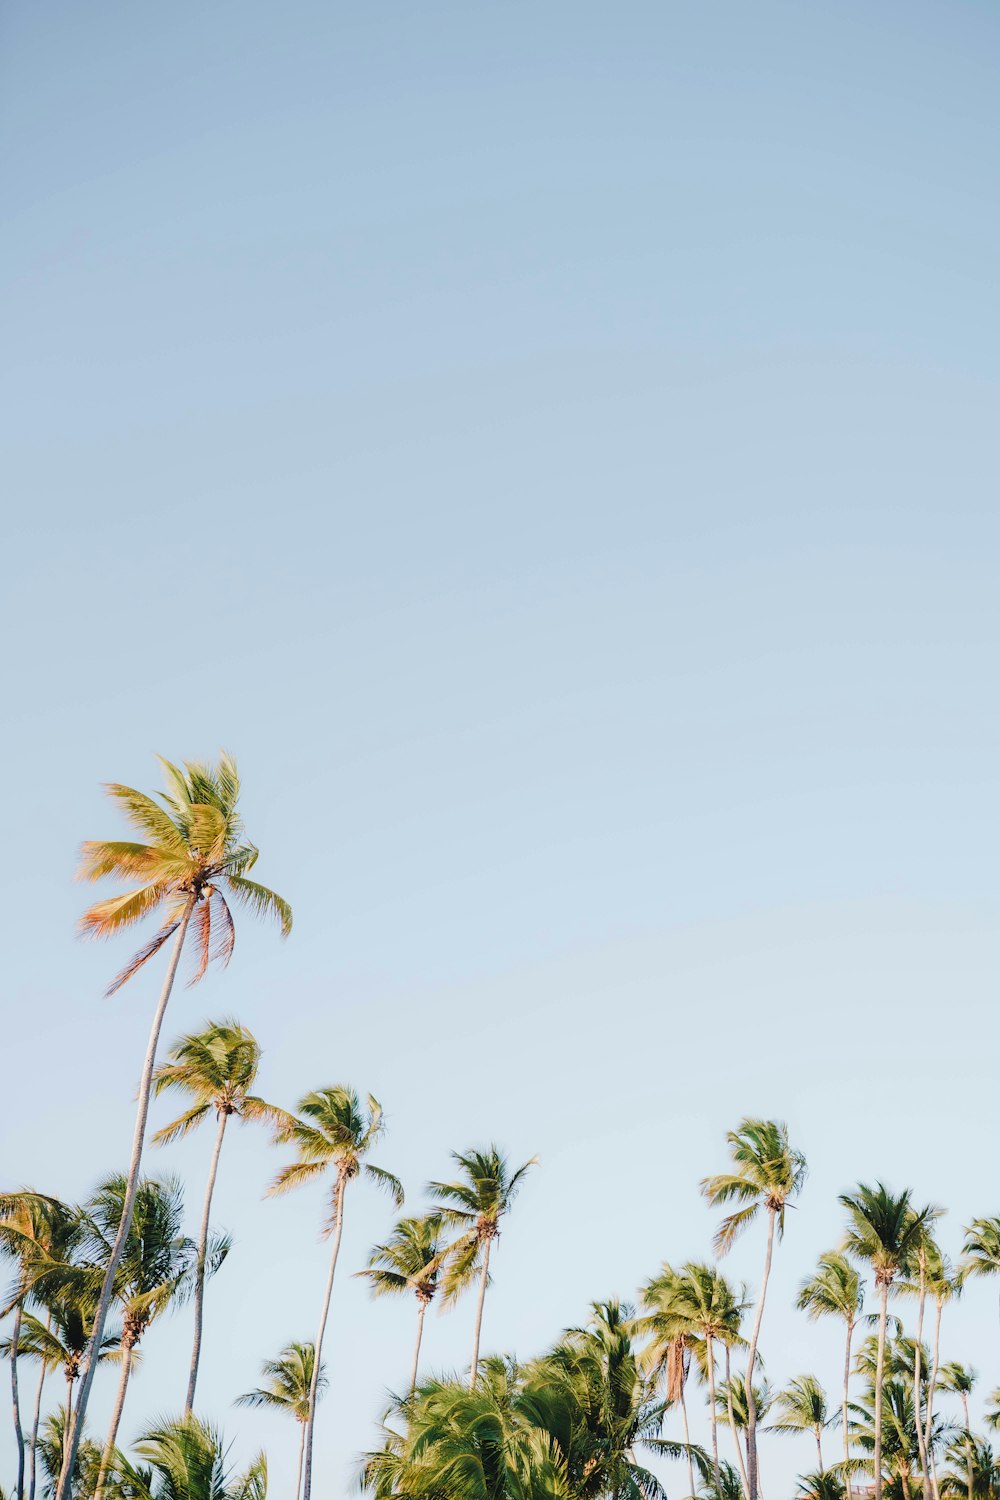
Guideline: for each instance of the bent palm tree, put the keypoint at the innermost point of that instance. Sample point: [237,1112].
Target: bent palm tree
[884,1230]
[289,1383]
[474,1205]
[217,1069]
[196,857]
[836,1290]
[333,1132]
[802,1407]
[409,1261]
[767,1173]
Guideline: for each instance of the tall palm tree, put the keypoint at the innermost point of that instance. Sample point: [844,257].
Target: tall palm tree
[669,1337]
[333,1132]
[802,1407]
[927,1257]
[195,858]
[289,1383]
[884,1231]
[474,1205]
[960,1380]
[156,1270]
[981,1250]
[836,1290]
[944,1284]
[409,1261]
[216,1069]
[767,1173]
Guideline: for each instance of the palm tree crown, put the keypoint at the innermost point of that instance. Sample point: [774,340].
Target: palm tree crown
[474,1204]
[197,855]
[217,1069]
[767,1172]
[884,1229]
[288,1380]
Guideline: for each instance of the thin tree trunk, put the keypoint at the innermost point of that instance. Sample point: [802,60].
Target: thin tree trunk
[845,1408]
[879,1374]
[75,1427]
[921,1437]
[968,1439]
[687,1435]
[752,1467]
[199,1285]
[298,1472]
[483,1279]
[819,1449]
[69,1410]
[15,1397]
[732,1424]
[713,1414]
[338,1231]
[931,1389]
[36,1422]
[116,1416]
[421,1309]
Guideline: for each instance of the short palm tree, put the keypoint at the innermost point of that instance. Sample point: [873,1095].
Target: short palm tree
[186,1460]
[981,1251]
[65,1337]
[960,1380]
[409,1261]
[822,1486]
[289,1383]
[944,1284]
[767,1173]
[156,1270]
[731,1401]
[666,1356]
[474,1205]
[802,1407]
[216,1069]
[333,1132]
[884,1231]
[196,856]
[836,1290]
[976,1472]
[992,1418]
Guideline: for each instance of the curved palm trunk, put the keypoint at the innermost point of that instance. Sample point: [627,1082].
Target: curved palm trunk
[338,1231]
[931,1389]
[75,1427]
[845,1405]
[199,1285]
[921,1435]
[713,1414]
[36,1422]
[421,1309]
[687,1436]
[732,1424]
[116,1416]
[16,1399]
[752,1468]
[483,1279]
[298,1471]
[883,1314]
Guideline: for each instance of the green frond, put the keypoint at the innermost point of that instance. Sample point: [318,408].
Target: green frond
[295,1175]
[261,901]
[180,1127]
[733,1226]
[387,1182]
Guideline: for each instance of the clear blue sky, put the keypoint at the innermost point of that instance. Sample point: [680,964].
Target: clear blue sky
[553,446]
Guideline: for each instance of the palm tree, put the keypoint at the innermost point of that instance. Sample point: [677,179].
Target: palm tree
[217,1069]
[944,1284]
[43,1235]
[767,1173]
[187,1461]
[977,1471]
[926,1253]
[960,1380]
[822,1486]
[333,1131]
[65,1338]
[289,1383]
[157,1268]
[982,1248]
[474,1205]
[836,1290]
[196,857]
[884,1230]
[409,1261]
[802,1407]
[731,1399]
[667,1354]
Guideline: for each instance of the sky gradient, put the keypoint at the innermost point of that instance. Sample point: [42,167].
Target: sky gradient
[553,447]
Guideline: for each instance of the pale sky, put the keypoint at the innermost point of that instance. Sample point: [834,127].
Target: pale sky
[553,446]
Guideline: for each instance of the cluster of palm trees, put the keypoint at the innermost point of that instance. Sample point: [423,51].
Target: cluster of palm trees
[585,1420]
